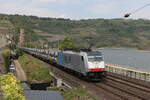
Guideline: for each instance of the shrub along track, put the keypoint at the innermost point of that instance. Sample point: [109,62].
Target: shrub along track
[110,88]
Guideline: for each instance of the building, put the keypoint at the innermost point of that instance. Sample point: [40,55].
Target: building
[42,95]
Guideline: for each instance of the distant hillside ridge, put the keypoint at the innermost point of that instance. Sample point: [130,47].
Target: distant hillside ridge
[95,32]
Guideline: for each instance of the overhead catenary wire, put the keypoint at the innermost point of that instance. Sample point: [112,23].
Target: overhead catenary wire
[128,14]
[140,8]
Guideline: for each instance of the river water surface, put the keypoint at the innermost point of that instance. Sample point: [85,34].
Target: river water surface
[127,57]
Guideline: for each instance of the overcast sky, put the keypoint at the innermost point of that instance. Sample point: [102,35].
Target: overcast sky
[76,9]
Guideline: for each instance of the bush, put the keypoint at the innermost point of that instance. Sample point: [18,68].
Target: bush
[6,55]
[19,53]
[11,88]
[77,94]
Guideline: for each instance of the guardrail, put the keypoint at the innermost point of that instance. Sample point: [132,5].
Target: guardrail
[66,83]
[128,72]
[60,82]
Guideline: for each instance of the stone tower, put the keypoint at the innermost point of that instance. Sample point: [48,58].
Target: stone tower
[21,39]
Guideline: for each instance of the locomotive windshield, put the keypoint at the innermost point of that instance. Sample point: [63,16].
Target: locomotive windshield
[95,58]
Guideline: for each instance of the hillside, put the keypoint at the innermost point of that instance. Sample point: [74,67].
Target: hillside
[5,26]
[96,32]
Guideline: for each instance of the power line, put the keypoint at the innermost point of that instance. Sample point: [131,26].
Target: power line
[140,8]
[128,14]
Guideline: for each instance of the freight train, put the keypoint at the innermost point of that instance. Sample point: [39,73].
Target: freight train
[87,64]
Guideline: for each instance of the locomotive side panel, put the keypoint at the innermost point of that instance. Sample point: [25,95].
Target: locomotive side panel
[78,63]
[71,61]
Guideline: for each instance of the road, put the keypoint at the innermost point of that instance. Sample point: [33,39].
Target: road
[20,72]
[2,63]
[2,71]
[3,41]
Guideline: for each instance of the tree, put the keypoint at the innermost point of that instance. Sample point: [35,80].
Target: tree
[67,43]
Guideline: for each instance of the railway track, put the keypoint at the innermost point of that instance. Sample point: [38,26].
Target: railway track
[116,89]
[130,80]
[138,87]
[131,88]
[116,92]
[111,88]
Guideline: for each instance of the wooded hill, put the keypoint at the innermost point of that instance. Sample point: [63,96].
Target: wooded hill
[94,32]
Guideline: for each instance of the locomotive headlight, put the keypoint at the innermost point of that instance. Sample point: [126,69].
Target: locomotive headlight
[101,64]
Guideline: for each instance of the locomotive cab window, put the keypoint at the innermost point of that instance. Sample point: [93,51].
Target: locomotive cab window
[82,58]
[69,59]
[95,58]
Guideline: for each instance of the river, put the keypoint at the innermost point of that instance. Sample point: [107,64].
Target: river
[127,57]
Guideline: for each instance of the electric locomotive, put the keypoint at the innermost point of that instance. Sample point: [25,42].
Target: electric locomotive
[89,64]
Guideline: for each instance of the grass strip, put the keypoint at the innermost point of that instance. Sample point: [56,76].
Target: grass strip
[37,71]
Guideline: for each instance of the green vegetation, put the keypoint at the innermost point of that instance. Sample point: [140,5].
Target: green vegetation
[77,94]
[67,43]
[5,26]
[6,55]
[11,88]
[36,70]
[102,32]
[19,53]
[55,88]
